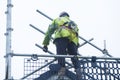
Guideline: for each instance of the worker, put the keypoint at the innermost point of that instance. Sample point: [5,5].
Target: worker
[65,38]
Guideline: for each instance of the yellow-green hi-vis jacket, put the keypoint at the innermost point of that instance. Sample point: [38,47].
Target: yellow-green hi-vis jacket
[59,28]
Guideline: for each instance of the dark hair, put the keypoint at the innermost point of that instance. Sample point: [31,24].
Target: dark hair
[64,14]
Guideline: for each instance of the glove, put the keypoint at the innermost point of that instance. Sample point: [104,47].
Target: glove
[45,48]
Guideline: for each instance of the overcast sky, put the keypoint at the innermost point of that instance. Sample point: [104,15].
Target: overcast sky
[98,19]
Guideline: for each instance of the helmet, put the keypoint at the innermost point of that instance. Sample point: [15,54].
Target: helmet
[64,14]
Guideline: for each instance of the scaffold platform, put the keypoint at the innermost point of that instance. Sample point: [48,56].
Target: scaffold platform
[91,70]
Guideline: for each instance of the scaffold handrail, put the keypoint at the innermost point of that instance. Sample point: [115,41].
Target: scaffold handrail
[65,56]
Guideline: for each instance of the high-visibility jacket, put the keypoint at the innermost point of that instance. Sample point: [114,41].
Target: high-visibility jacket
[60,29]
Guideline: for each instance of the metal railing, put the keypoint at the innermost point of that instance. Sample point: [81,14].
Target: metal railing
[100,69]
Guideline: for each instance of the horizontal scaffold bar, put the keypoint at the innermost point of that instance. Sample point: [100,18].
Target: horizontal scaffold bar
[65,56]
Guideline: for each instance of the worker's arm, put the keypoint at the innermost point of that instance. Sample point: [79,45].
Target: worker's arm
[49,33]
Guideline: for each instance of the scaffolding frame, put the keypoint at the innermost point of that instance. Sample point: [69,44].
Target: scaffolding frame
[98,70]
[10,54]
[8,40]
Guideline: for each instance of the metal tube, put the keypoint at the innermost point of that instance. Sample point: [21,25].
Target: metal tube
[65,56]
[44,15]
[85,42]
[8,40]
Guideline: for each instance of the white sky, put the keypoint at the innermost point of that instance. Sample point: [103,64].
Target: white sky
[98,19]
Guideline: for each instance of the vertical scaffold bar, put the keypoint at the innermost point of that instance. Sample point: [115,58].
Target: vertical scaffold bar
[8,40]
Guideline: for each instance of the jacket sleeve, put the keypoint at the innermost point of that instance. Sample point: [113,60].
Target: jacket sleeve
[49,33]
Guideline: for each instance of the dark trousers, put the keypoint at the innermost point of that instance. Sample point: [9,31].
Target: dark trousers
[63,44]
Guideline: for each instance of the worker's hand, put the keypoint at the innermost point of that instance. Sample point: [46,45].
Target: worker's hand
[45,48]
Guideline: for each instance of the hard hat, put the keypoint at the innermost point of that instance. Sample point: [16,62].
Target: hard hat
[64,14]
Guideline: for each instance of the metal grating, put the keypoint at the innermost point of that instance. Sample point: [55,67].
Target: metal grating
[98,70]
[101,70]
[31,65]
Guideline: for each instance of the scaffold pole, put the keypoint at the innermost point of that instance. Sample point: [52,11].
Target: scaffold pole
[8,40]
[65,56]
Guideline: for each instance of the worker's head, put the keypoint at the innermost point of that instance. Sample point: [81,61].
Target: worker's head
[62,14]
